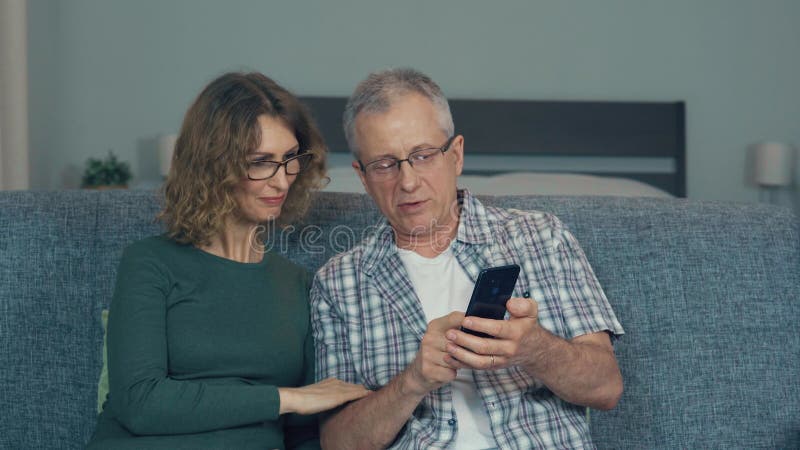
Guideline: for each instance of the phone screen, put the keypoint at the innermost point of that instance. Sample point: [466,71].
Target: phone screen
[492,290]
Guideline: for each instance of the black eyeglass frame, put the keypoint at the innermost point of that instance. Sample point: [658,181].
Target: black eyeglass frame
[307,157]
[444,148]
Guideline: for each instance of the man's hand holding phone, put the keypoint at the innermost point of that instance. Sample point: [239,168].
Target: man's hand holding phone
[482,339]
[514,341]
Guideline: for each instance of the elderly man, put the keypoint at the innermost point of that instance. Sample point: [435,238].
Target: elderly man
[388,313]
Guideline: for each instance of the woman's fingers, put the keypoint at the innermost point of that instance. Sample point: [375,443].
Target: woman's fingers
[320,396]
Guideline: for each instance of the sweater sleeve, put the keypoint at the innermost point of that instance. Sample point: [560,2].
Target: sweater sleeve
[144,398]
[302,432]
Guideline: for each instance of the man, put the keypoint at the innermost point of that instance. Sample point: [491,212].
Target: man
[388,313]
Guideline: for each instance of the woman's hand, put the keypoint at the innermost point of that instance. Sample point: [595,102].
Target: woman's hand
[318,397]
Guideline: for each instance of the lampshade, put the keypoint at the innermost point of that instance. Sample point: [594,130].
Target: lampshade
[166,145]
[774,164]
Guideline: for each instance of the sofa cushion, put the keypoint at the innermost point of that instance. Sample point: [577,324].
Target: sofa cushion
[704,290]
[48,320]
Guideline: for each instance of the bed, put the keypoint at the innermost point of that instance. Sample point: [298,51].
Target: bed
[548,147]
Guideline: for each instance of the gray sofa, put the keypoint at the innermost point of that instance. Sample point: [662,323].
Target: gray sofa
[709,294]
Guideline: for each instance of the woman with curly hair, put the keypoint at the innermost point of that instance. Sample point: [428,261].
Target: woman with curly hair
[209,342]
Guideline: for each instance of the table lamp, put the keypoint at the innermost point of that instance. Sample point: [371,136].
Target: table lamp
[774,167]
[166,146]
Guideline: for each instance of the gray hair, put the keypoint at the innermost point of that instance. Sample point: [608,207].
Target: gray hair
[376,92]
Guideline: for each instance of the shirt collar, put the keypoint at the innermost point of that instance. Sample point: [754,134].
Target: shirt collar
[473,228]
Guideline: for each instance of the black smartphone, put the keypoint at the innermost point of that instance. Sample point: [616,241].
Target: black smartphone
[492,290]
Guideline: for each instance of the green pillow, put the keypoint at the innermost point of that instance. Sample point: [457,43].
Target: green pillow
[102,385]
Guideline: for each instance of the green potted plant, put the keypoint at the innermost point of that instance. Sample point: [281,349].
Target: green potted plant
[108,173]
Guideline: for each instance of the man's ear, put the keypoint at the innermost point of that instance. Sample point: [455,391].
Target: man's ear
[457,147]
[360,174]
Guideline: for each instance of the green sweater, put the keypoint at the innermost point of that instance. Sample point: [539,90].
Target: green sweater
[197,347]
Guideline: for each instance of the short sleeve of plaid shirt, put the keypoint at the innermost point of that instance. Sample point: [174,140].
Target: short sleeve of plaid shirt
[582,304]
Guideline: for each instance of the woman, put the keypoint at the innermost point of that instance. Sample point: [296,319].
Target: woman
[208,334]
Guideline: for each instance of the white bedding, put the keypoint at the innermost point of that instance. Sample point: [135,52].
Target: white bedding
[344,179]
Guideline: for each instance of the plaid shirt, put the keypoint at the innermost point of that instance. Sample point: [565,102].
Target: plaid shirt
[368,324]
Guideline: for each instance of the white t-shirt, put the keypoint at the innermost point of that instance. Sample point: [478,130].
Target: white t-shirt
[443,286]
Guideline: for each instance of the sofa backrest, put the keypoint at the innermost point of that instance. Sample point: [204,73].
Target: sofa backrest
[703,290]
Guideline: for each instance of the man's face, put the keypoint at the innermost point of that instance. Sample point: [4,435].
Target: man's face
[417,200]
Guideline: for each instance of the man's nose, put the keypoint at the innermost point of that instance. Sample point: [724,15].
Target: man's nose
[409,180]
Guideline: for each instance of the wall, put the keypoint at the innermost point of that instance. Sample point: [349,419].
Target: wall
[14,163]
[113,74]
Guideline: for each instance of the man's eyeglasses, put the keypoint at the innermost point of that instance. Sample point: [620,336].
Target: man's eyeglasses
[263,169]
[386,169]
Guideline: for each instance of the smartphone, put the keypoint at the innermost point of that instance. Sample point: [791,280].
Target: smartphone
[492,290]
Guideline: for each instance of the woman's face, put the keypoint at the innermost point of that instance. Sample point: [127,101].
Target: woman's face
[261,201]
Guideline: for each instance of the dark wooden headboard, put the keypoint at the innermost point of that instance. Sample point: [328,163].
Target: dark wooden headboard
[644,141]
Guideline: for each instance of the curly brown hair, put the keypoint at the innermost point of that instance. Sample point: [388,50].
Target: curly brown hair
[210,158]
